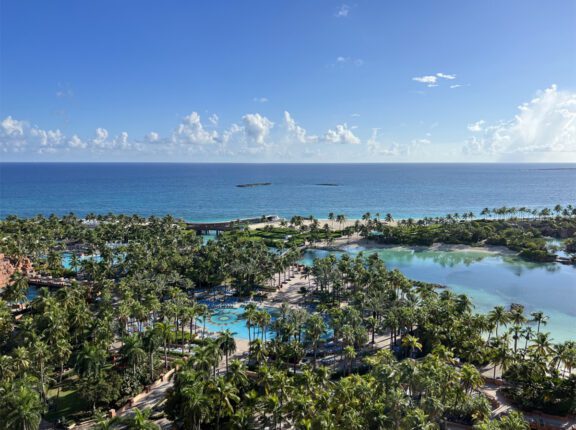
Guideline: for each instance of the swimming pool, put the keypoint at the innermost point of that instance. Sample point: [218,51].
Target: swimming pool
[231,319]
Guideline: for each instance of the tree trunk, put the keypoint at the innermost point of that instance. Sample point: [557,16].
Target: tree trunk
[165,355]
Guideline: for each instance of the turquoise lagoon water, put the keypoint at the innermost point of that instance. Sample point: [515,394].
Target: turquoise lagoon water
[489,279]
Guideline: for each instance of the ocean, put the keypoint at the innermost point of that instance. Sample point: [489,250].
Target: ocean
[209,192]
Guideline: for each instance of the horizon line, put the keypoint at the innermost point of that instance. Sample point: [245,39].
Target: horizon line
[289,163]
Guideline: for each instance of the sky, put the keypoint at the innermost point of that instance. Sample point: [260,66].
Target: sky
[288,81]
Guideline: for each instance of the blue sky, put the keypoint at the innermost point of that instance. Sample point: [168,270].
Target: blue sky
[302,81]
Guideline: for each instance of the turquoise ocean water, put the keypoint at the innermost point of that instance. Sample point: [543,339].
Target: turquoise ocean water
[204,192]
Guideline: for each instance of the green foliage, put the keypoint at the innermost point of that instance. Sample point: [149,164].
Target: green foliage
[524,236]
[534,388]
[100,341]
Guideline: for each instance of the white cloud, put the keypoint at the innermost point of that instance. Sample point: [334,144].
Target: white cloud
[260,99]
[76,142]
[433,80]
[152,137]
[101,136]
[429,79]
[191,131]
[295,131]
[257,127]
[18,136]
[341,134]
[476,126]
[214,119]
[445,76]
[546,123]
[12,127]
[395,149]
[342,11]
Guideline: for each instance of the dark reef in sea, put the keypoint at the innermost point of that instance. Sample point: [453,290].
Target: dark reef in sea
[256,184]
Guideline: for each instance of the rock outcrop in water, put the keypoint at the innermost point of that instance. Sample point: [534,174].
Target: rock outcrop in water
[256,184]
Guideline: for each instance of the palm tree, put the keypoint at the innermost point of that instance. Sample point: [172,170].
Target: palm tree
[237,374]
[20,360]
[541,345]
[341,219]
[331,217]
[16,290]
[62,351]
[498,316]
[132,352]
[258,351]
[539,318]
[350,354]
[501,357]
[411,342]
[250,316]
[315,328]
[207,357]
[224,394]
[470,377]
[165,333]
[152,340]
[140,420]
[227,344]
[41,354]
[22,409]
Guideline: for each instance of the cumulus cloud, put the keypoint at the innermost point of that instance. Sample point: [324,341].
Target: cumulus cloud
[152,137]
[191,131]
[257,127]
[18,136]
[76,142]
[12,127]
[341,134]
[394,149]
[476,126]
[260,99]
[547,123]
[295,131]
[254,134]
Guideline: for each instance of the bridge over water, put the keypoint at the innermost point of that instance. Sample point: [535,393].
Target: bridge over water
[204,227]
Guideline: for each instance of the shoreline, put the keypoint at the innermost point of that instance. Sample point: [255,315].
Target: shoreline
[341,243]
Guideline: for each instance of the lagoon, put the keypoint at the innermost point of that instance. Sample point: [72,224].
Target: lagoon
[488,278]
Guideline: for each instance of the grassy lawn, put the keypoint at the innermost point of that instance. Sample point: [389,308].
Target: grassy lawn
[68,404]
